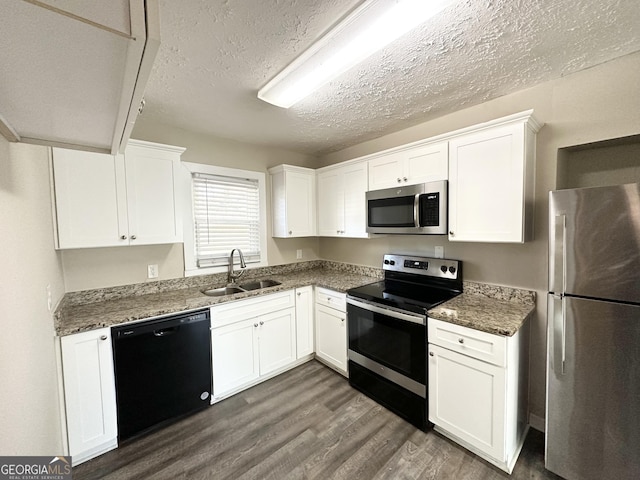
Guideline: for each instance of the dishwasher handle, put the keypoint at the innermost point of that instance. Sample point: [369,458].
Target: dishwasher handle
[163,332]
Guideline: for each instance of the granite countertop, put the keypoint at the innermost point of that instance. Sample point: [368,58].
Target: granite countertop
[103,309]
[488,308]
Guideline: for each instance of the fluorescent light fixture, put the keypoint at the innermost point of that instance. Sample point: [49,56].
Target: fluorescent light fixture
[370,27]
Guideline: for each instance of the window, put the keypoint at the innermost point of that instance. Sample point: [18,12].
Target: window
[227,212]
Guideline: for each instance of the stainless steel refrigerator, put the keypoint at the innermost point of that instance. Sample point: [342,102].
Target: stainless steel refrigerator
[593,341]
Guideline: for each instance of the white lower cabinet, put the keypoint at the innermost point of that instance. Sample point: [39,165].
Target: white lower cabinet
[90,394]
[304,321]
[253,340]
[276,340]
[331,329]
[234,351]
[478,388]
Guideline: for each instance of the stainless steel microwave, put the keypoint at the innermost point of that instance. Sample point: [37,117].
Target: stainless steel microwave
[412,209]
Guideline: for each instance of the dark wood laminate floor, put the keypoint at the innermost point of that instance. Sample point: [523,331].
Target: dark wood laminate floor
[305,424]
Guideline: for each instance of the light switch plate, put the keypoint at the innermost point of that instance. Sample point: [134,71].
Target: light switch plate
[152,271]
[439,253]
[299,254]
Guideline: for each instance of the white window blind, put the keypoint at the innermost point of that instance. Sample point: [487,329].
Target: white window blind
[226,216]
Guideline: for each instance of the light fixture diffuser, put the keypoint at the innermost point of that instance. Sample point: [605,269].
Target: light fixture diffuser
[369,28]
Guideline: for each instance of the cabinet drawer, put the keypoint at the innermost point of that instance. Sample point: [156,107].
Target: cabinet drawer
[474,343]
[231,312]
[331,299]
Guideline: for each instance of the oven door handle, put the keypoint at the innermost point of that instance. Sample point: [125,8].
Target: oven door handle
[422,320]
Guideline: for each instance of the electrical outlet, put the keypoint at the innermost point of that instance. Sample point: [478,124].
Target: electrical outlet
[299,254]
[152,271]
[439,252]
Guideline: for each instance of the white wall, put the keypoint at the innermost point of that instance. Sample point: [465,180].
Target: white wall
[596,104]
[104,267]
[29,407]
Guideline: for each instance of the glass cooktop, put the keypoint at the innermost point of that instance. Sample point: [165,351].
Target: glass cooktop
[408,296]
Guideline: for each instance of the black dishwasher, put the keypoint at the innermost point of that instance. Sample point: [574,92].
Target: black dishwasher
[162,369]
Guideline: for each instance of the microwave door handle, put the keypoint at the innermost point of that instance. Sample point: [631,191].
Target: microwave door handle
[416,211]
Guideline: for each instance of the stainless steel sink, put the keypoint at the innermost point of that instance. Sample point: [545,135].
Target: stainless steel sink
[245,287]
[221,291]
[259,284]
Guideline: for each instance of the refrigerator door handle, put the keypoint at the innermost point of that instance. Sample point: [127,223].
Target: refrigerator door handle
[558,255]
[557,316]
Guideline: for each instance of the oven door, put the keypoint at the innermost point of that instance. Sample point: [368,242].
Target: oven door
[390,343]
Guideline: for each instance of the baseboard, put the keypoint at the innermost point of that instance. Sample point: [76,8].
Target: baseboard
[536,422]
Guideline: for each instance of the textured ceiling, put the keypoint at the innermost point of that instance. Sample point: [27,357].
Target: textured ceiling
[216,54]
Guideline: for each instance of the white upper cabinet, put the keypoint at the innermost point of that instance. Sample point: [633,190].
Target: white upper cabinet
[79,70]
[152,173]
[105,200]
[341,201]
[409,166]
[491,181]
[293,201]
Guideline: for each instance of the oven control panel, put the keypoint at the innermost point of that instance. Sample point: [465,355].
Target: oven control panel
[433,267]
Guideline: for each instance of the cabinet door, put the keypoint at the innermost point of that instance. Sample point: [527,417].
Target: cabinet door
[301,204]
[355,208]
[486,186]
[234,351]
[90,197]
[427,163]
[151,195]
[90,393]
[331,211]
[304,321]
[467,399]
[277,335]
[385,171]
[331,337]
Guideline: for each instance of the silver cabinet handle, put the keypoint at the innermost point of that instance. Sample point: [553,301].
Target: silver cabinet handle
[399,179]
[290,232]
[451,233]
[103,337]
[299,293]
[404,178]
[123,237]
[338,232]
[431,354]
[261,323]
[461,340]
[255,325]
[342,320]
[133,237]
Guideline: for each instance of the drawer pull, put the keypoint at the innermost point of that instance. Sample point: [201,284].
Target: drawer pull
[461,340]
[431,354]
[103,337]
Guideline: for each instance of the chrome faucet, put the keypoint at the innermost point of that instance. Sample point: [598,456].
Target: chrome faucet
[231,277]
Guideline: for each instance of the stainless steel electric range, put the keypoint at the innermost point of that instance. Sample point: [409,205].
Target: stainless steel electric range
[387,325]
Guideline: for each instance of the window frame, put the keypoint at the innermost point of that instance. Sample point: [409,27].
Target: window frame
[190,262]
